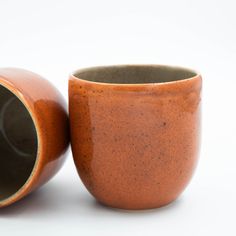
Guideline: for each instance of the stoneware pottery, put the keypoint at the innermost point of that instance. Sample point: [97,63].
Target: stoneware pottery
[33,133]
[135,132]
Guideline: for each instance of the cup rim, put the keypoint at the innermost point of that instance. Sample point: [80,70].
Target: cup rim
[73,75]
[29,183]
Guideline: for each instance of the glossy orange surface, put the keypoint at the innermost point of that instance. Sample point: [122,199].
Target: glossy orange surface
[48,111]
[135,146]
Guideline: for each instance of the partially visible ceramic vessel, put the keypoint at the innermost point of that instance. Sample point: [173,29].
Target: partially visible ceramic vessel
[135,132]
[34,133]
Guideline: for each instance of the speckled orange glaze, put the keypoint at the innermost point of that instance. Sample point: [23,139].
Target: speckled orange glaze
[48,111]
[135,146]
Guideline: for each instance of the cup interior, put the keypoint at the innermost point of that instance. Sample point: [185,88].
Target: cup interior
[18,144]
[134,74]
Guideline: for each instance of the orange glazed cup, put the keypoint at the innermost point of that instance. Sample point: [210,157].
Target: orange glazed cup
[33,133]
[135,132]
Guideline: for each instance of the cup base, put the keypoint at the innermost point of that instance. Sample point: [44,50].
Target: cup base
[137,208]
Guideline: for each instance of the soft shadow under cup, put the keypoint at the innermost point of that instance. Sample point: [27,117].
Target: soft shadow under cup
[18,144]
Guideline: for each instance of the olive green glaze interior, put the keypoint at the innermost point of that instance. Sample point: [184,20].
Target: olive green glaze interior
[18,144]
[134,74]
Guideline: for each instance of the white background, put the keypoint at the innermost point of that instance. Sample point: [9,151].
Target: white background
[53,38]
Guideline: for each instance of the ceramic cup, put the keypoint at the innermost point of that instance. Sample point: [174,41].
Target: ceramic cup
[135,132]
[33,133]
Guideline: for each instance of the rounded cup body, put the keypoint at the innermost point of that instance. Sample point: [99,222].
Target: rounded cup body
[135,146]
[47,109]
